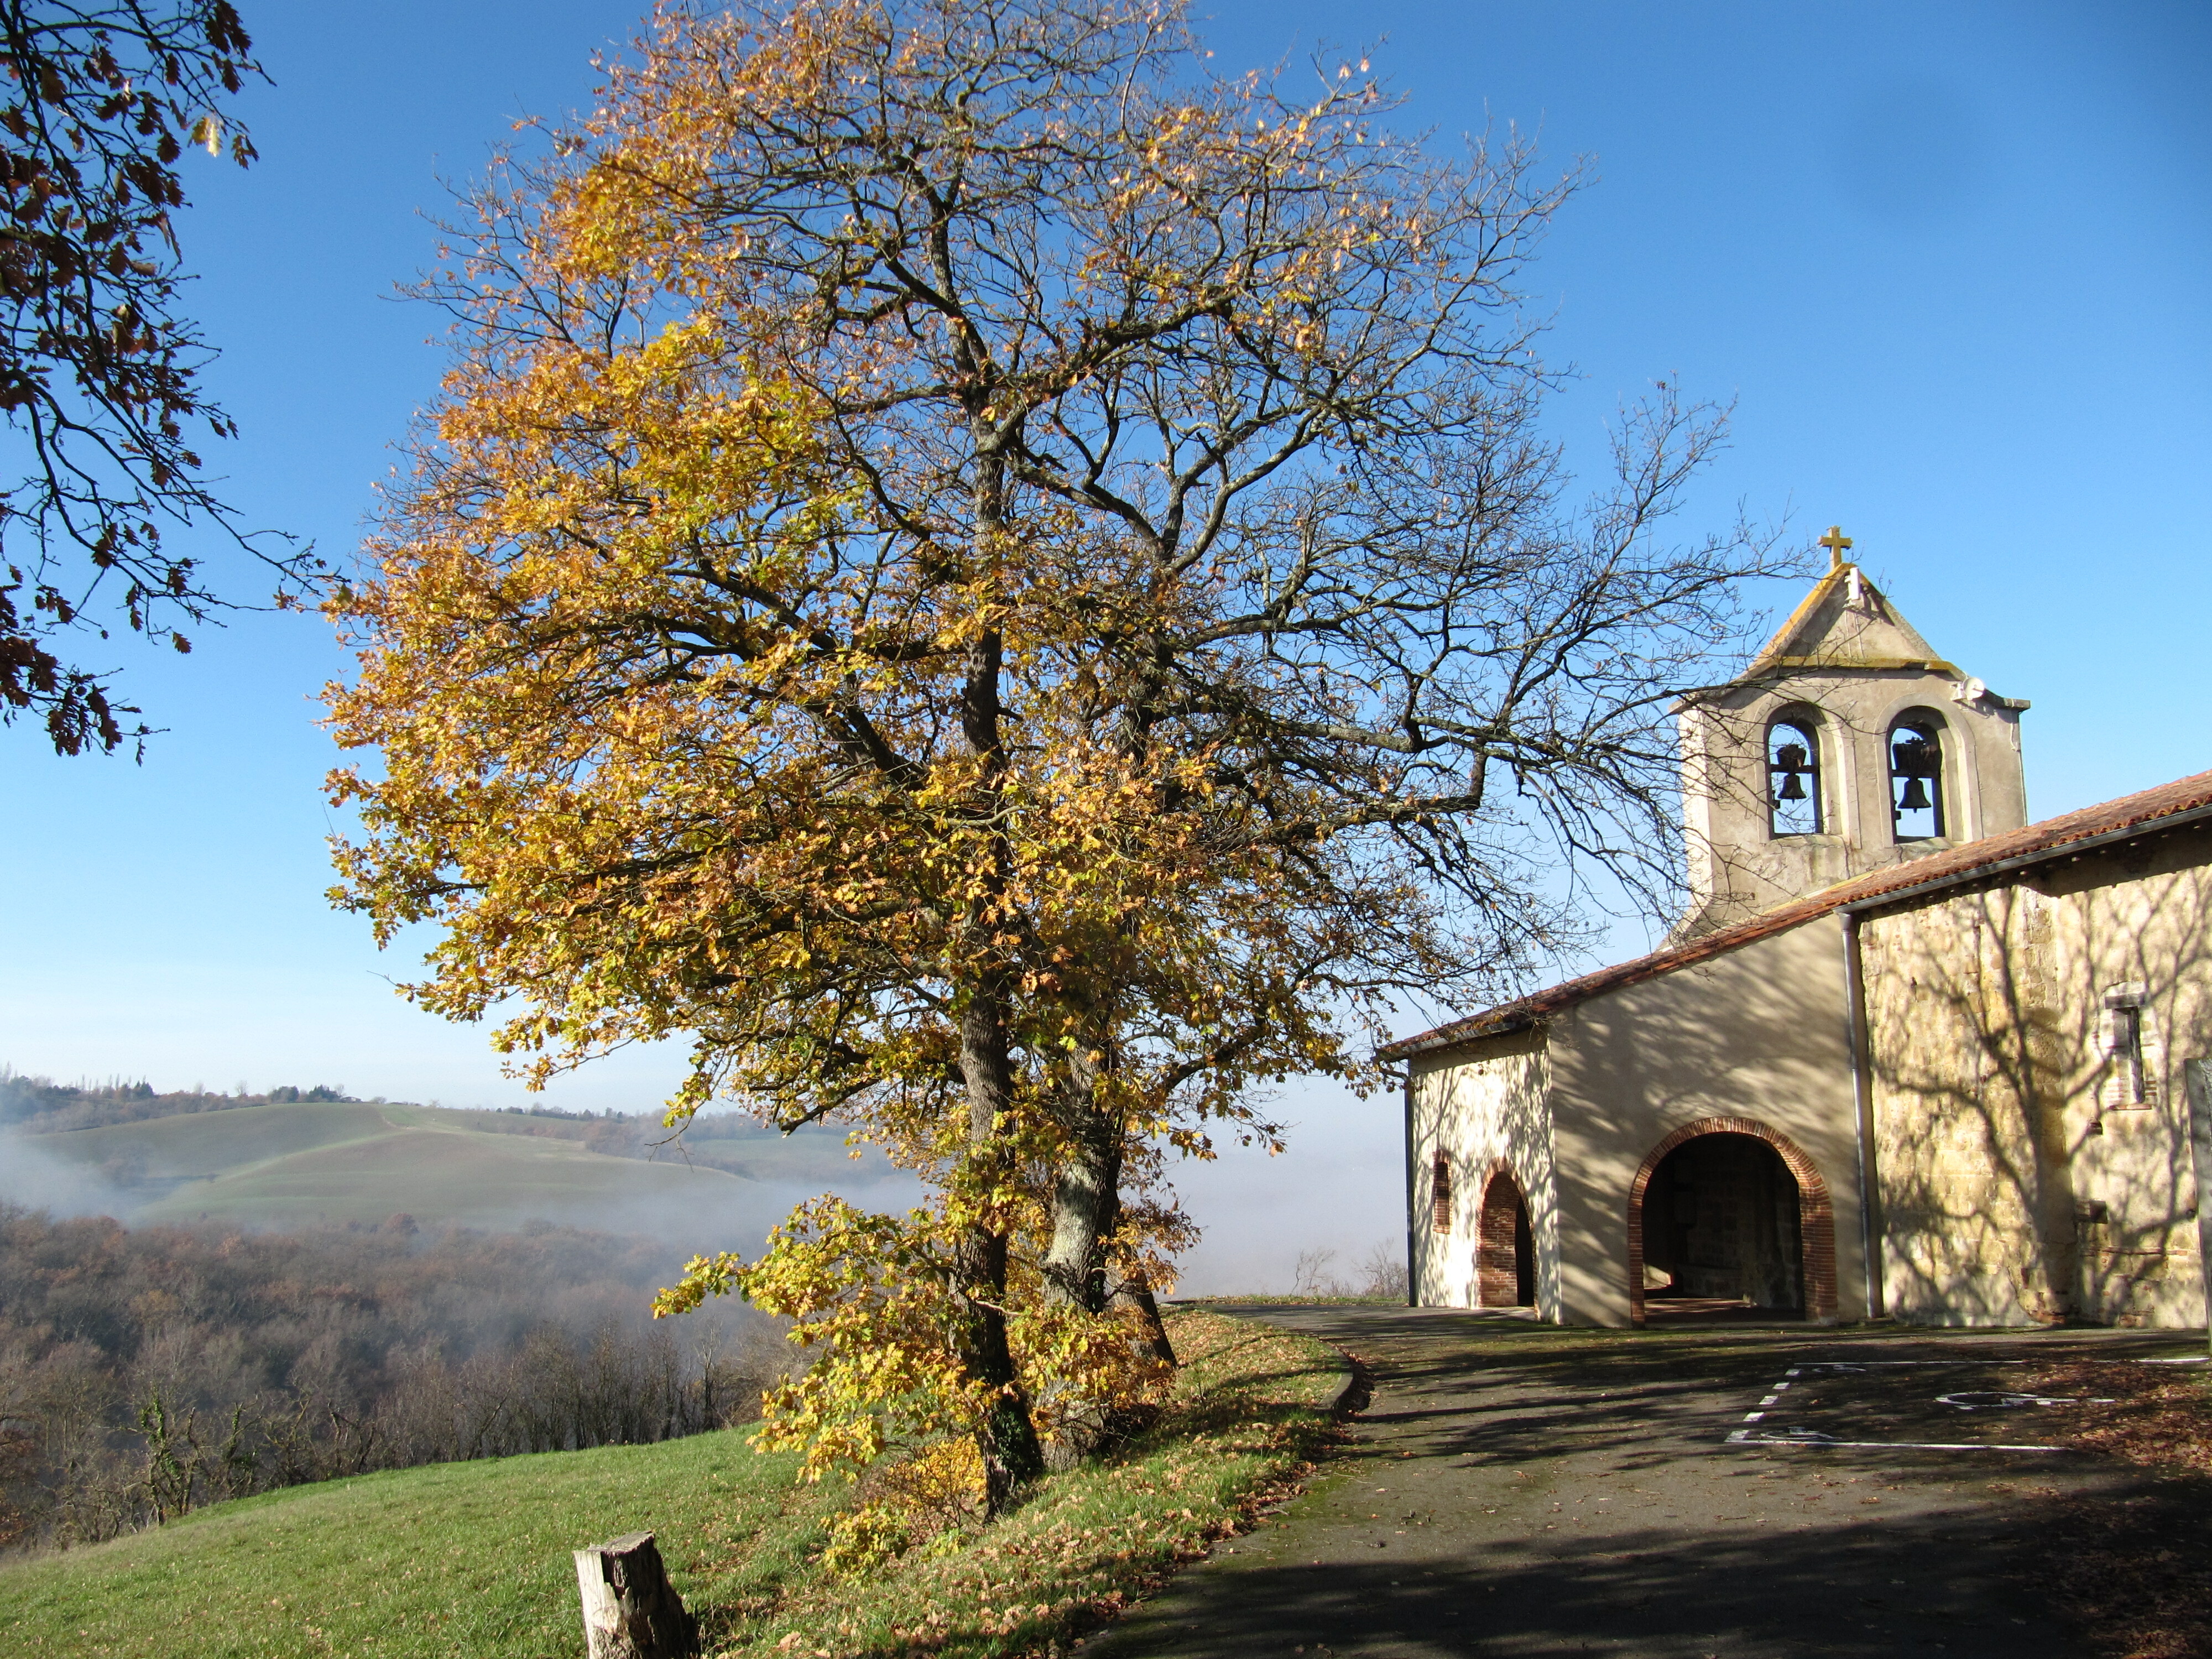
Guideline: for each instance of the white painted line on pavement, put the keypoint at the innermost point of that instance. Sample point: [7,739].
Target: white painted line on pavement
[1815,1438]
[1745,1437]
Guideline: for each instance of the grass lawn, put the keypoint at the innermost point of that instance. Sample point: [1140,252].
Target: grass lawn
[473,1558]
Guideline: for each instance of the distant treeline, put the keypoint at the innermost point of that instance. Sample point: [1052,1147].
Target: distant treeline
[39,1105]
[145,1372]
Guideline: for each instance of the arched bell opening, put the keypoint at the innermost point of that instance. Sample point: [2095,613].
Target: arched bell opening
[1794,796]
[1505,1247]
[1917,808]
[1728,1216]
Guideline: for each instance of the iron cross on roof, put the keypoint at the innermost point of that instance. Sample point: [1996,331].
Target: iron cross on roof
[1835,541]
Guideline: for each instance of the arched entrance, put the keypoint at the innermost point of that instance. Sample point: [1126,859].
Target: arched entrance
[1727,1210]
[1504,1246]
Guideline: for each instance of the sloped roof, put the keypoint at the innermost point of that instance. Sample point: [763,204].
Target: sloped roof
[2149,811]
[1846,622]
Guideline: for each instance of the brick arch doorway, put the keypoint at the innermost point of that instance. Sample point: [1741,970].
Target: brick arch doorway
[1504,1245]
[1734,1179]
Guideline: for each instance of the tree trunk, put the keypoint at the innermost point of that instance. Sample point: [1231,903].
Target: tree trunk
[630,1609]
[1006,1437]
[1087,1197]
[1085,1202]
[1086,1209]
[1136,1293]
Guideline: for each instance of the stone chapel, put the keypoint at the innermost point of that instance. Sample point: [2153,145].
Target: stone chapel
[1906,1054]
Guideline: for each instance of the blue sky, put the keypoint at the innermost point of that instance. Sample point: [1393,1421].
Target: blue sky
[1953,262]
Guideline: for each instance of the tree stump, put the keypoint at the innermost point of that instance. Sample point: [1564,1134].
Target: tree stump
[630,1609]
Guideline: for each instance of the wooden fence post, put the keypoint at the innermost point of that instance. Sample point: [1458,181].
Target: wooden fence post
[630,1609]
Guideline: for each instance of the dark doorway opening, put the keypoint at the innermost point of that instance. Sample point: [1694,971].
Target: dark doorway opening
[1721,1230]
[1504,1247]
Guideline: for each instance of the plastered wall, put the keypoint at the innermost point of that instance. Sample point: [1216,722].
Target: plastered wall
[1480,1106]
[1738,868]
[2012,1188]
[1763,1033]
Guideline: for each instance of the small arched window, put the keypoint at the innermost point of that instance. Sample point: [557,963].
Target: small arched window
[1793,780]
[1441,1192]
[1916,779]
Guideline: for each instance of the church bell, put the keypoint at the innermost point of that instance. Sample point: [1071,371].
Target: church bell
[1914,758]
[1792,761]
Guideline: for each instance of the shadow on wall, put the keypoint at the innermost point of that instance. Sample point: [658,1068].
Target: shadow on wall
[2012,1190]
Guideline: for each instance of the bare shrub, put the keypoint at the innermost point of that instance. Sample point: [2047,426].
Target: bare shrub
[1383,1271]
[1310,1276]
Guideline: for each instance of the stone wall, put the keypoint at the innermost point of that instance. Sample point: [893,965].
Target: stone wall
[2017,1184]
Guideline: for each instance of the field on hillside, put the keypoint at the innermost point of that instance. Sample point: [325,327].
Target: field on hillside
[455,1558]
[165,1151]
[333,1163]
[473,1558]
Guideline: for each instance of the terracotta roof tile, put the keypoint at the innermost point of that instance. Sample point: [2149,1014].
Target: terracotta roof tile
[2050,838]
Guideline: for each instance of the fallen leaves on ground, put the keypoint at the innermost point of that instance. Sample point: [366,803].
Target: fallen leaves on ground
[2136,1569]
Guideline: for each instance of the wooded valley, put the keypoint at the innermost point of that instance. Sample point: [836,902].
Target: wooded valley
[146,1371]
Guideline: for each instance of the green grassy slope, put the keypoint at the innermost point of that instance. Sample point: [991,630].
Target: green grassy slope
[204,1144]
[457,1175]
[738,1145]
[472,1561]
[458,1559]
[309,1164]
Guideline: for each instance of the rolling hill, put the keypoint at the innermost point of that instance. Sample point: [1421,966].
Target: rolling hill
[333,1163]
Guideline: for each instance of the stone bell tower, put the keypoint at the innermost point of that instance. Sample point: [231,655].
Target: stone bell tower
[1848,745]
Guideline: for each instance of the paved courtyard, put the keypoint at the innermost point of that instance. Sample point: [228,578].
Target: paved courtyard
[1516,1489]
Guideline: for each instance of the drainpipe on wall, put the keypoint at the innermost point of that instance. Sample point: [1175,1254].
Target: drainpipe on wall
[1413,1266]
[1862,1099]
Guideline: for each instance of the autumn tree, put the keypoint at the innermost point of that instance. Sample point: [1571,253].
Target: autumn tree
[990,577]
[99,370]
